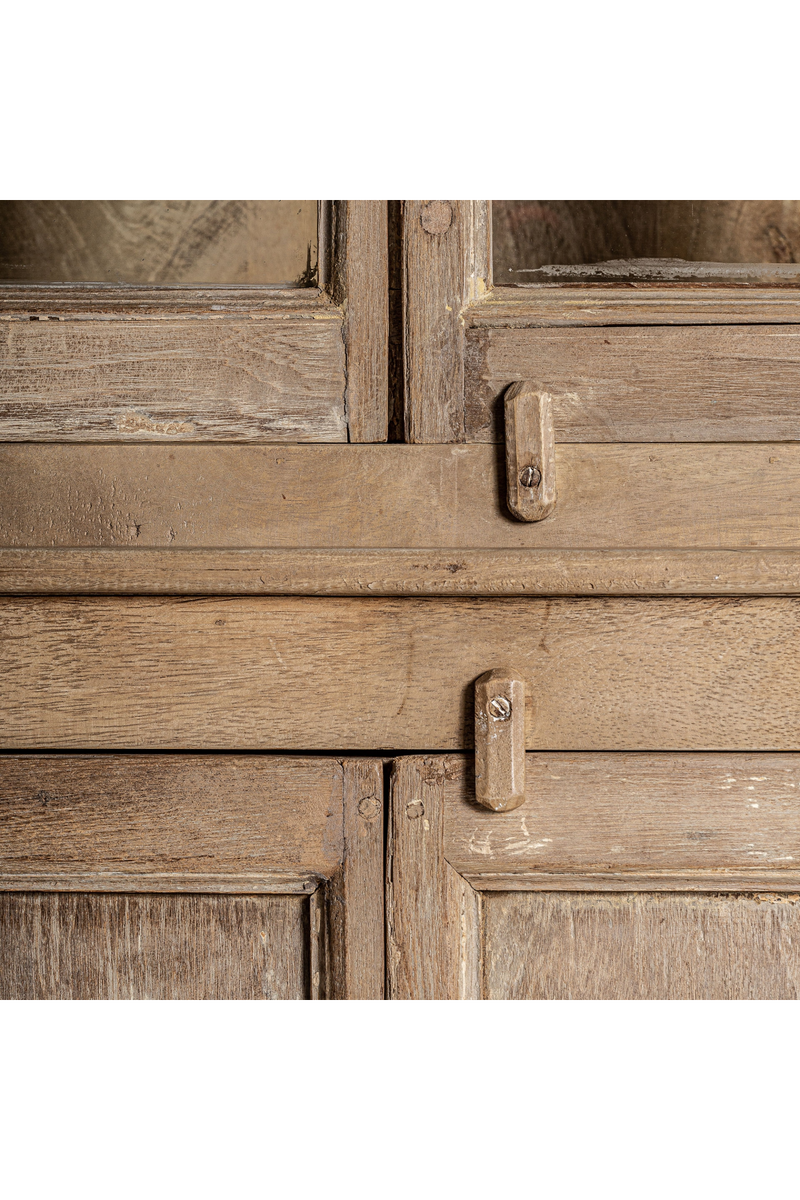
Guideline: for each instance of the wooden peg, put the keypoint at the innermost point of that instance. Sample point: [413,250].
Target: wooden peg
[530,452]
[500,739]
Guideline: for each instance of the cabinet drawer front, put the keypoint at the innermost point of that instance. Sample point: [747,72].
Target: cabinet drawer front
[298,673]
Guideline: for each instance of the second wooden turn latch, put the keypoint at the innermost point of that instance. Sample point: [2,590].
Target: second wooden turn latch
[500,739]
[530,452]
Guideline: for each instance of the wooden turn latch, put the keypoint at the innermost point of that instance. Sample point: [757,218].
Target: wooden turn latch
[530,452]
[500,739]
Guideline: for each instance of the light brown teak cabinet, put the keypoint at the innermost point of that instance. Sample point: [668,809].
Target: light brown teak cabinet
[240,626]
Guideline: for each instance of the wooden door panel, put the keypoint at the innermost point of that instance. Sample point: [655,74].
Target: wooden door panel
[568,946]
[289,673]
[190,877]
[620,877]
[93,946]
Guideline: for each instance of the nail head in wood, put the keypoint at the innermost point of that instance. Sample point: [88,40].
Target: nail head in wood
[530,452]
[500,739]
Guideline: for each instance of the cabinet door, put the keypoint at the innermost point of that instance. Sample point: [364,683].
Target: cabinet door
[190,877]
[621,876]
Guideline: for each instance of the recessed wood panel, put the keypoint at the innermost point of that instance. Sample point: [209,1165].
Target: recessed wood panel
[694,384]
[67,946]
[640,947]
[290,673]
[210,377]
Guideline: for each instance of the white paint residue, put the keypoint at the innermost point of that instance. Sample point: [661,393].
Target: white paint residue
[759,778]
[477,846]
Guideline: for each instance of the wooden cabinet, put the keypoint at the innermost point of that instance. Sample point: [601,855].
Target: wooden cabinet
[239,623]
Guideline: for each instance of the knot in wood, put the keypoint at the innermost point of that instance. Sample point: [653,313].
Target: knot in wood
[436,216]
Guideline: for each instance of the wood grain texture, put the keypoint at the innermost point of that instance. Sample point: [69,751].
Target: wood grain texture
[452,498]
[659,820]
[354,895]
[446,265]
[282,673]
[432,914]
[169,822]
[642,385]
[117,947]
[602,305]
[577,947]
[360,285]
[400,572]
[270,375]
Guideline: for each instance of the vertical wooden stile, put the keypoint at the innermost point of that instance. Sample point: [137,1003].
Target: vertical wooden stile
[355,892]
[432,913]
[360,285]
[446,265]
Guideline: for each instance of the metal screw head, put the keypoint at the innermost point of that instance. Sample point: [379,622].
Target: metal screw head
[530,477]
[499,708]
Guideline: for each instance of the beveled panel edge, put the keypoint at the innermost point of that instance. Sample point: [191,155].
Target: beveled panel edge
[77,878]
[663,881]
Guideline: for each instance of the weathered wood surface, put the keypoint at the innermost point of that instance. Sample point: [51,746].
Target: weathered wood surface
[169,823]
[610,497]
[432,914]
[289,673]
[360,284]
[578,947]
[268,375]
[540,306]
[141,947]
[642,385]
[355,893]
[619,821]
[500,706]
[445,265]
[400,572]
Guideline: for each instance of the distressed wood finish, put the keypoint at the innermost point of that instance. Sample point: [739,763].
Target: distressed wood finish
[446,264]
[117,947]
[286,674]
[642,385]
[361,286]
[309,829]
[432,914]
[452,498]
[576,947]
[400,572]
[269,376]
[624,821]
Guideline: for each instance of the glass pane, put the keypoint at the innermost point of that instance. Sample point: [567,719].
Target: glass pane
[159,241]
[736,241]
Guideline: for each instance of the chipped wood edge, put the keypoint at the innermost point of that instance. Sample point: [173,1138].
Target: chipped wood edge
[432,912]
[412,572]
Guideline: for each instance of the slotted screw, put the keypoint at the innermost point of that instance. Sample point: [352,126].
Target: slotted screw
[500,708]
[530,477]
